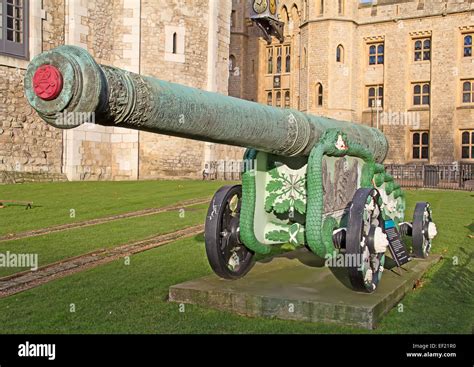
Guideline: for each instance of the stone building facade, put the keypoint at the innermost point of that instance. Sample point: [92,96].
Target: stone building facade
[405,66]
[185,42]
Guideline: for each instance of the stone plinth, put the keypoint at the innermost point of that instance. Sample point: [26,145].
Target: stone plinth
[297,286]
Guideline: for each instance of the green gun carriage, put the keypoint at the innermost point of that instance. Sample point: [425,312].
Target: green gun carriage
[308,180]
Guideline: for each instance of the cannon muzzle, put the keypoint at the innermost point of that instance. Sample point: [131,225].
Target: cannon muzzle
[67,79]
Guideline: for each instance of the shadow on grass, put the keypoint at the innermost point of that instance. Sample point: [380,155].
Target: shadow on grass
[443,304]
[200,238]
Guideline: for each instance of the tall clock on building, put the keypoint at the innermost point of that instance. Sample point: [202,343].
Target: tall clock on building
[273,7]
[259,6]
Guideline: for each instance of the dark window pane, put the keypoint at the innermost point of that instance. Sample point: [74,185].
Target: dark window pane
[418,56]
[416,139]
[371,102]
[465,137]
[320,89]
[380,91]
[9,35]
[278,65]
[418,45]
[380,60]
[426,55]
[466,98]
[372,60]
[417,100]
[417,89]
[472,152]
[467,51]
[426,89]
[9,10]
[465,153]
[472,138]
[466,87]
[269,99]
[320,100]
[427,44]
[424,153]
[380,49]
[10,23]
[426,100]
[416,153]
[288,64]
[467,40]
[425,139]
[372,50]
[371,92]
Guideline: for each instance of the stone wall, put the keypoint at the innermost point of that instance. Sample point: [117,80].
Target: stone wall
[397,24]
[27,144]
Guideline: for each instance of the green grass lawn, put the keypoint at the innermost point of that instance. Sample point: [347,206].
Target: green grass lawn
[119,298]
[62,245]
[54,201]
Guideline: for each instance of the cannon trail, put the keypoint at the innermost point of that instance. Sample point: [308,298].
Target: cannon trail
[97,221]
[23,281]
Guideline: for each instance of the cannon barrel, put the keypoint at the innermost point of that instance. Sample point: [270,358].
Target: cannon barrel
[67,81]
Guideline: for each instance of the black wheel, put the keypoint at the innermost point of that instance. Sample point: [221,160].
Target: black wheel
[424,230]
[228,257]
[366,241]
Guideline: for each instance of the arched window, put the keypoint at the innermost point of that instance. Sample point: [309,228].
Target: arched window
[421,145]
[284,14]
[423,49]
[321,7]
[287,99]
[467,92]
[278,99]
[319,95]
[340,54]
[288,59]
[278,71]
[270,98]
[421,94]
[270,60]
[468,46]
[175,43]
[295,15]
[376,54]
[467,147]
[340,8]
[375,96]
[231,63]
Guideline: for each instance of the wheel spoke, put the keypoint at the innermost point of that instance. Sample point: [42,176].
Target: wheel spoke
[227,256]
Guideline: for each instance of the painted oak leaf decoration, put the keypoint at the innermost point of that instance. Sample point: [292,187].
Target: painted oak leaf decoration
[285,192]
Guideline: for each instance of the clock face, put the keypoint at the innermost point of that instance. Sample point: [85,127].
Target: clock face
[273,7]
[259,6]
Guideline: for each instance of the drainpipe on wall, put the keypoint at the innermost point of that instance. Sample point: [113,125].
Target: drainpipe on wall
[212,47]
[140,73]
